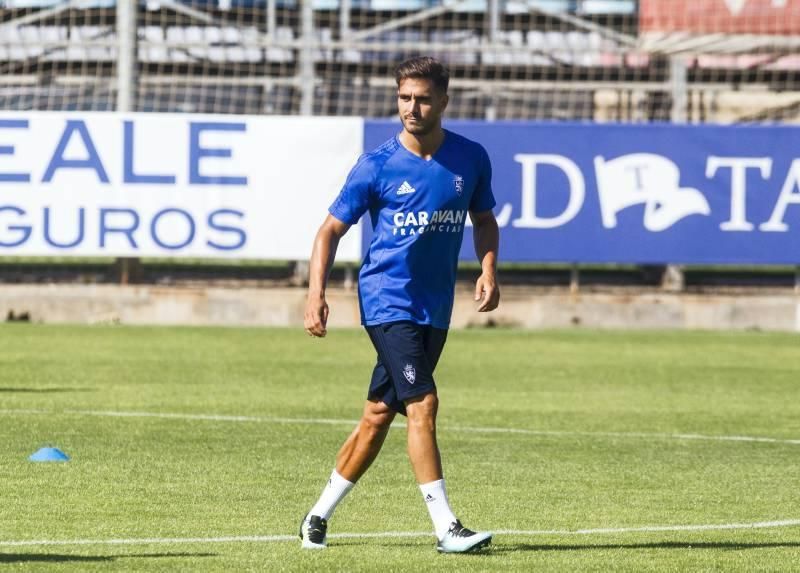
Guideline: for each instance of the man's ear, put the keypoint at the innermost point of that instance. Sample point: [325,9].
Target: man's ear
[446,101]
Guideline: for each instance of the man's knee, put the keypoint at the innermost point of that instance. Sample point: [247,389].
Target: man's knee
[376,420]
[421,410]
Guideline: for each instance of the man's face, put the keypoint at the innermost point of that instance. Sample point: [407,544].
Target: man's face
[420,104]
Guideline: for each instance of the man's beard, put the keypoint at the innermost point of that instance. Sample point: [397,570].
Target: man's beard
[418,128]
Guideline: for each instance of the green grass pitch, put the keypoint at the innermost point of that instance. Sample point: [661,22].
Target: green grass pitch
[543,433]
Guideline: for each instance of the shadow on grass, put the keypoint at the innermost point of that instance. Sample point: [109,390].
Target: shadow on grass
[49,558]
[655,545]
[497,548]
[159,555]
[43,390]
[484,551]
[55,558]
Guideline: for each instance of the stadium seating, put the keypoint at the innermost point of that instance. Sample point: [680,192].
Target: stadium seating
[244,45]
[511,6]
[224,55]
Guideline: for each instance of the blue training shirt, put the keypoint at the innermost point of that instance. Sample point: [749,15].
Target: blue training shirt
[418,210]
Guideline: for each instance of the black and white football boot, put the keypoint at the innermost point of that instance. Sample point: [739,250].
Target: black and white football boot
[313,532]
[459,539]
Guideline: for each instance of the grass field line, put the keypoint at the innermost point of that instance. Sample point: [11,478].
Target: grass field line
[398,534]
[345,422]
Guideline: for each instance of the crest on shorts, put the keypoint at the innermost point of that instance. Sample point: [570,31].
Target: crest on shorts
[458,181]
[410,373]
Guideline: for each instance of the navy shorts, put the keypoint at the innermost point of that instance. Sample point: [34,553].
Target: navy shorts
[407,356]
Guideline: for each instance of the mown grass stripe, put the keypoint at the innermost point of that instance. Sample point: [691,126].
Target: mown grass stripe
[469,429]
[400,534]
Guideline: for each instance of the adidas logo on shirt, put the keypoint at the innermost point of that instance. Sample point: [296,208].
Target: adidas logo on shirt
[405,189]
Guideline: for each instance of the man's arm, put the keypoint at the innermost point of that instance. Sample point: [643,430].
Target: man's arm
[322,256]
[486,236]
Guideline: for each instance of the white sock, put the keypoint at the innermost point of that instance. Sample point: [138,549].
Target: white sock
[435,497]
[334,492]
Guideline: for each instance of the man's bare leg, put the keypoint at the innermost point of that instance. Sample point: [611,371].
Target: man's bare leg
[364,444]
[355,456]
[423,451]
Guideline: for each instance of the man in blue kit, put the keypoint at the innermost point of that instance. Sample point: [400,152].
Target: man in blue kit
[418,188]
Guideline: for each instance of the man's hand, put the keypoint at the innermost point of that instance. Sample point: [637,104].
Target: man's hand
[316,316]
[486,289]
[486,236]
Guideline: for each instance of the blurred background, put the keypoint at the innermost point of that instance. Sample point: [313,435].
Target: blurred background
[722,61]
[730,62]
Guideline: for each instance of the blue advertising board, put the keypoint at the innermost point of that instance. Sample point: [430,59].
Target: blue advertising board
[638,193]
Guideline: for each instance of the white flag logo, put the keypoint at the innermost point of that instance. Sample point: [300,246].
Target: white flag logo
[652,180]
[735,6]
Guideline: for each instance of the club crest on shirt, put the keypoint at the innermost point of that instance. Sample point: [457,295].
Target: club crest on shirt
[458,181]
[410,373]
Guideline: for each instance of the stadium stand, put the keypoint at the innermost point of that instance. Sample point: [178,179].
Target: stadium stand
[574,60]
[535,59]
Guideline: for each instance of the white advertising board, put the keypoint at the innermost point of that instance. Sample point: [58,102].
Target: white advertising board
[176,185]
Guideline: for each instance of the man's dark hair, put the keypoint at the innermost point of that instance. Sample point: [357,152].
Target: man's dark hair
[423,68]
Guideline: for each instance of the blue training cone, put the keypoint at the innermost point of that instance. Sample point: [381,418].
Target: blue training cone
[49,455]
